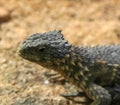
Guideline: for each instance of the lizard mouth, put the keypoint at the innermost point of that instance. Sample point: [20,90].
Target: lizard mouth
[19,52]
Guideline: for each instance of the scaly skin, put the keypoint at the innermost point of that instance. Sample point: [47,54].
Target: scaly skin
[89,68]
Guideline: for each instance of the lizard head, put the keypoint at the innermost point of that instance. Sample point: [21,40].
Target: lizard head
[44,47]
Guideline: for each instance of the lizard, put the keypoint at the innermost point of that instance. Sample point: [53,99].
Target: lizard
[89,68]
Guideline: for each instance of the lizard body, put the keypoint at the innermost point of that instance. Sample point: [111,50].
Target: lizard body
[89,68]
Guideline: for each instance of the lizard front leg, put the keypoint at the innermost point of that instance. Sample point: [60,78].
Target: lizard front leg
[98,94]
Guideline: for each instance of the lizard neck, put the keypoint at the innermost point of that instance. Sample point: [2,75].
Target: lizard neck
[70,66]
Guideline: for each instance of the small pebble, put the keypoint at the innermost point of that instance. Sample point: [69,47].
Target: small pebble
[3,60]
[4,14]
[46,82]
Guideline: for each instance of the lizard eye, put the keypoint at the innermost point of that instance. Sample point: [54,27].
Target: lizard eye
[41,49]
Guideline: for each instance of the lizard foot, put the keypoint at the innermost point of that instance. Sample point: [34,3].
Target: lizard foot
[76,97]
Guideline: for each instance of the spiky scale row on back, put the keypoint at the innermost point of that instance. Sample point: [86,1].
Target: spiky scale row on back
[82,66]
[111,54]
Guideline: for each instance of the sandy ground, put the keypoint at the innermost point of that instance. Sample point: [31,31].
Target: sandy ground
[90,22]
